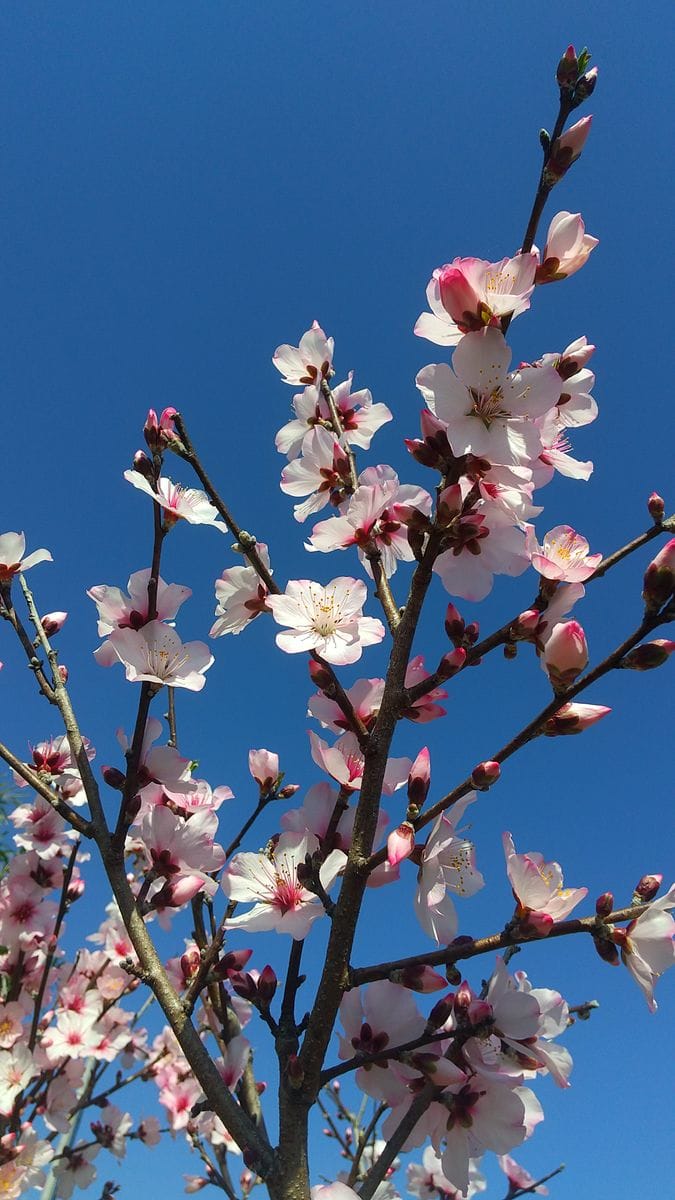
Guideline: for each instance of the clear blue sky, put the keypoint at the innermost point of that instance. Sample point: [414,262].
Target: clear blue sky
[185,186]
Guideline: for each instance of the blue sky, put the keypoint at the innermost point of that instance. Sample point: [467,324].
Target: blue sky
[187,186]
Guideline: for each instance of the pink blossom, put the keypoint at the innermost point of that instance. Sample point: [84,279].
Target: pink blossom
[647,945]
[427,1180]
[567,248]
[17,1068]
[373,520]
[264,767]
[448,867]
[374,1017]
[322,473]
[315,814]
[555,453]
[365,697]
[119,611]
[538,885]
[173,845]
[280,900]
[576,407]
[155,654]
[12,550]
[333,1191]
[425,707]
[566,149]
[241,596]
[326,619]
[483,543]
[476,293]
[359,417]
[178,502]
[345,762]
[310,361]
[400,844]
[518,1177]
[159,432]
[563,555]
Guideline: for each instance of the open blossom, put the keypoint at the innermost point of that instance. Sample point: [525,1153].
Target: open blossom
[326,619]
[241,596]
[178,502]
[308,362]
[345,762]
[567,248]
[538,886]
[12,550]
[489,412]
[175,846]
[476,293]
[119,611]
[555,452]
[373,520]
[518,1177]
[426,1179]
[448,868]
[647,945]
[270,881]
[575,407]
[16,1070]
[484,543]
[321,473]
[155,654]
[563,555]
[374,1017]
[359,417]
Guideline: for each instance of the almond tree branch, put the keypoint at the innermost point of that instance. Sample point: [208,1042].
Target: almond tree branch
[495,941]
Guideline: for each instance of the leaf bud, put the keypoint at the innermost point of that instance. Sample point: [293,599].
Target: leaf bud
[294,1071]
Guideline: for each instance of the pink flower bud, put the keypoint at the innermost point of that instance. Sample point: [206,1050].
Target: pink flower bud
[189,963]
[114,778]
[485,774]
[288,790]
[294,1071]
[267,986]
[75,889]
[566,150]
[567,71]
[451,663]
[177,892]
[525,626]
[463,998]
[244,985]
[647,888]
[649,655]
[144,467]
[659,581]
[52,622]
[585,87]
[419,779]
[567,248]
[62,672]
[232,963]
[441,1011]
[264,767]
[535,924]
[319,675]
[604,904]
[574,718]
[449,504]
[461,301]
[420,978]
[454,624]
[656,506]
[400,844]
[565,654]
[159,433]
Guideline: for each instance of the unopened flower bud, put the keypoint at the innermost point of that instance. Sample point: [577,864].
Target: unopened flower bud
[144,467]
[454,624]
[526,625]
[656,507]
[567,71]
[485,774]
[62,672]
[189,963]
[52,622]
[420,978]
[244,985]
[400,844]
[320,675]
[463,997]
[441,1011]
[607,951]
[585,87]
[565,654]
[419,781]
[647,888]
[565,150]
[449,504]
[75,889]
[294,1071]
[451,663]
[232,963]
[288,790]
[659,581]
[604,904]
[649,655]
[159,432]
[113,777]
[267,986]
[574,718]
